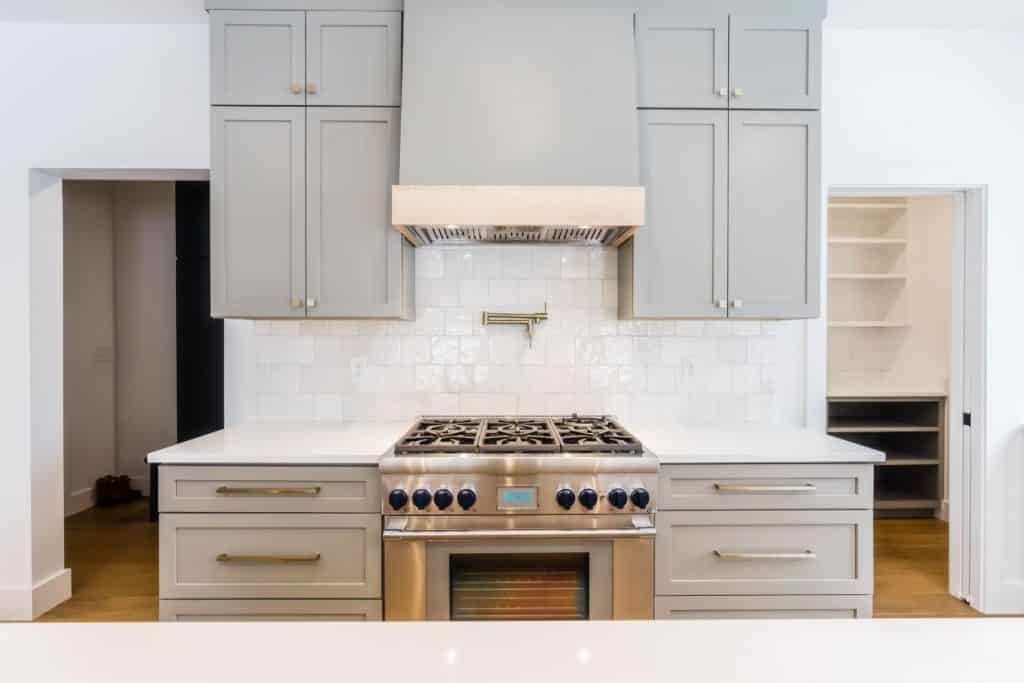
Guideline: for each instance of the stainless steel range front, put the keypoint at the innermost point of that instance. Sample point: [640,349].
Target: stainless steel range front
[521,518]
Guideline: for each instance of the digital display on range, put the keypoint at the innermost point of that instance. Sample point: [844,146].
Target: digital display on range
[517,498]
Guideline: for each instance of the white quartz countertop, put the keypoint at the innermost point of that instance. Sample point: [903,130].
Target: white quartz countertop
[797,651]
[348,443]
[363,443]
[678,445]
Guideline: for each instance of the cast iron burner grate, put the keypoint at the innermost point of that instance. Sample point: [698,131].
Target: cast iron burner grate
[594,434]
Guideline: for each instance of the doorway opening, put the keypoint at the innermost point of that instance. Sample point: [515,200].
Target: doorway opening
[142,370]
[904,376]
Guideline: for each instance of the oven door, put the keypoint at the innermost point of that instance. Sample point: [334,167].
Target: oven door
[519,568]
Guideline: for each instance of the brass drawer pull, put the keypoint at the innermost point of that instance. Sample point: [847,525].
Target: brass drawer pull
[269,559]
[233,491]
[805,555]
[755,488]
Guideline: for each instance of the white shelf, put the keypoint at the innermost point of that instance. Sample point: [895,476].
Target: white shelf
[868,241]
[867,276]
[869,206]
[867,323]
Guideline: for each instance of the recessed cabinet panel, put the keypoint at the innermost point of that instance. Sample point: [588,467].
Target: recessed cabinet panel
[257,58]
[356,258]
[680,254]
[774,197]
[258,212]
[683,60]
[355,58]
[774,62]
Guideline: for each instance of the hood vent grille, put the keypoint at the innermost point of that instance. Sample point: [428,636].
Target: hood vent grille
[422,235]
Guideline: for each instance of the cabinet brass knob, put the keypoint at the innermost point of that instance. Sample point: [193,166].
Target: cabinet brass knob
[296,303]
[311,88]
[737,92]
[310,303]
[296,88]
[722,303]
[737,303]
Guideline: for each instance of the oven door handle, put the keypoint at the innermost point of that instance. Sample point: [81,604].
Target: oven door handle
[516,534]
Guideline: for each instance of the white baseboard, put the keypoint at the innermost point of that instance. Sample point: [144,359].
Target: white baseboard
[26,604]
[943,511]
[79,500]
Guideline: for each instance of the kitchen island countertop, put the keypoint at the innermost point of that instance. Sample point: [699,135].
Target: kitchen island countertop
[794,651]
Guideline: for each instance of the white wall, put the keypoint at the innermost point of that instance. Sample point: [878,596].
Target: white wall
[145,284]
[909,107]
[81,96]
[583,359]
[88,340]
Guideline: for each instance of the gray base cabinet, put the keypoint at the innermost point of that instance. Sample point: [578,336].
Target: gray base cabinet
[269,543]
[764,541]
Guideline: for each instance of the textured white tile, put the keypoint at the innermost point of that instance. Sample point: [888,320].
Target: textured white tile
[458,263]
[327,408]
[312,328]
[732,351]
[603,263]
[430,378]
[746,328]
[589,351]
[262,327]
[633,328]
[761,349]
[532,295]
[430,322]
[603,378]
[647,350]
[319,380]
[516,262]
[587,293]
[286,328]
[280,379]
[484,404]
[661,379]
[559,292]
[689,328]
[504,292]
[430,264]
[487,262]
[474,350]
[661,328]
[575,263]
[617,351]
[385,350]
[458,322]
[415,350]
[609,294]
[457,378]
[331,352]
[547,262]
[505,349]
[474,293]
[442,404]
[285,349]
[438,292]
[344,328]
[444,350]
[746,379]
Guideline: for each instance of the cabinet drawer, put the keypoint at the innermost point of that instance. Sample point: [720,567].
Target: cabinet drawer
[270,610]
[270,556]
[764,607]
[269,489]
[764,552]
[765,487]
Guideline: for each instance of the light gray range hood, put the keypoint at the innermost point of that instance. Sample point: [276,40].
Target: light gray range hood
[515,126]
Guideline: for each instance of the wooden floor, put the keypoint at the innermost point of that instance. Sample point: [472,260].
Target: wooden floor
[112,553]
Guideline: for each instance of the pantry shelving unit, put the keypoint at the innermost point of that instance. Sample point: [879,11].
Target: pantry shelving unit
[888,349]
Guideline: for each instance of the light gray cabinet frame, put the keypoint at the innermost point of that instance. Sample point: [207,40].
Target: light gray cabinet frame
[258,212]
[364,50]
[775,62]
[357,263]
[678,258]
[683,60]
[257,58]
[774,214]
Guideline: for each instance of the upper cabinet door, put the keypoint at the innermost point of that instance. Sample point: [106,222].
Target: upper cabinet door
[774,214]
[683,60]
[258,212]
[355,257]
[774,62]
[355,58]
[680,253]
[257,58]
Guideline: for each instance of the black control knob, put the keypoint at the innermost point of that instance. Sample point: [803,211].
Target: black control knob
[443,498]
[466,498]
[398,499]
[421,498]
[640,498]
[565,498]
[617,497]
[588,498]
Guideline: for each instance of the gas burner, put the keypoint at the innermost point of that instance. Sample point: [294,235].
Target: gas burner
[441,435]
[518,434]
[595,434]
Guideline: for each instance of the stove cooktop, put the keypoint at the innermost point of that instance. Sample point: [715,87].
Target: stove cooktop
[533,435]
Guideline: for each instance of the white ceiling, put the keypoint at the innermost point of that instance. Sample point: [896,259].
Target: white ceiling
[955,14]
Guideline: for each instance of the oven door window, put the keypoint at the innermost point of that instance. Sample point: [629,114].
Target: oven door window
[538,587]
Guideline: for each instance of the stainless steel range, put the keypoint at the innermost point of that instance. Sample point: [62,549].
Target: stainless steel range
[518,518]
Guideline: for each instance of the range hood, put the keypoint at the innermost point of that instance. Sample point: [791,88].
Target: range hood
[518,124]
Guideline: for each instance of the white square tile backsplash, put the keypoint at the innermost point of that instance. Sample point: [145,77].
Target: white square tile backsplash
[582,359]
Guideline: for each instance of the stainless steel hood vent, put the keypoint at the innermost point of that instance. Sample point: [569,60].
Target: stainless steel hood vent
[514,127]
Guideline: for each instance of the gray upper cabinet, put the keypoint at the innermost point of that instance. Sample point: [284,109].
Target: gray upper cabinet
[680,253]
[357,263]
[774,62]
[774,207]
[683,60]
[258,212]
[718,61]
[257,58]
[354,58]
